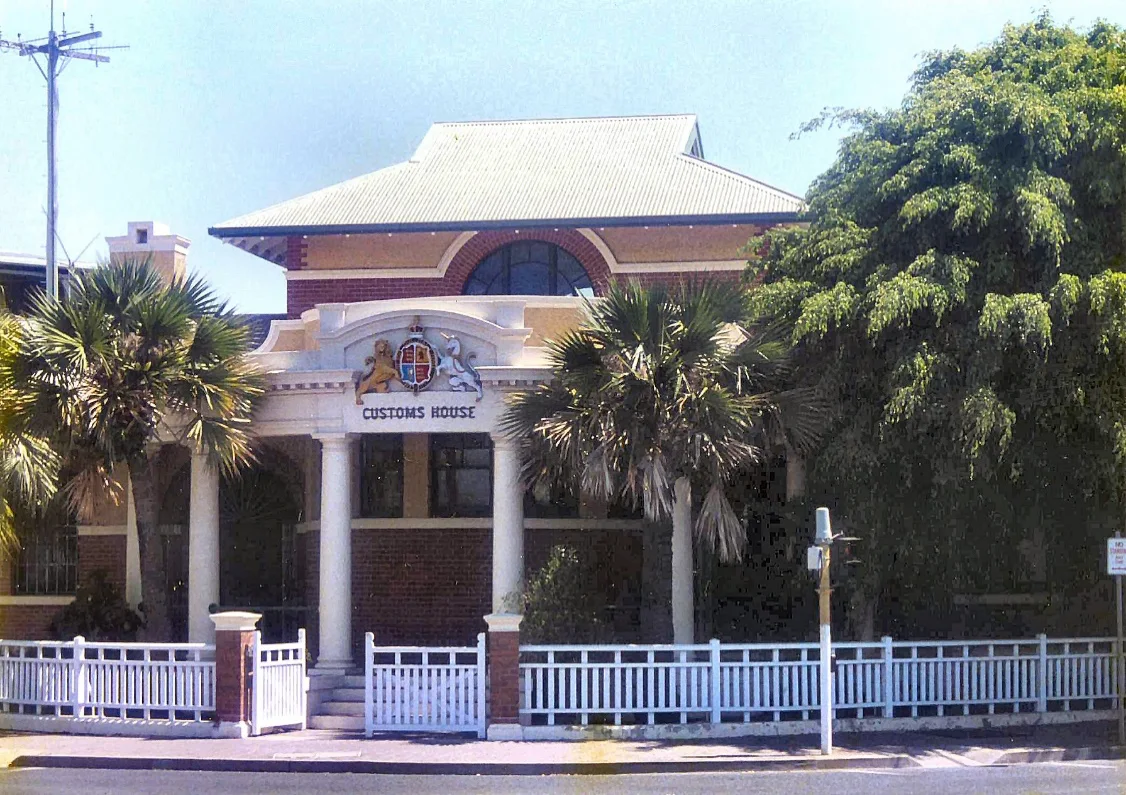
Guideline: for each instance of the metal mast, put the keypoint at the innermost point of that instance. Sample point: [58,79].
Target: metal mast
[57,49]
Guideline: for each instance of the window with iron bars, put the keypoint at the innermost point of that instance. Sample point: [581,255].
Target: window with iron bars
[47,562]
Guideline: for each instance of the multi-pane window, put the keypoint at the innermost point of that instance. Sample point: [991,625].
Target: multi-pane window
[381,476]
[461,474]
[529,268]
[550,502]
[47,561]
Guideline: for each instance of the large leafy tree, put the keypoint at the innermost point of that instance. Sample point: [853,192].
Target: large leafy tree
[127,361]
[660,397]
[960,287]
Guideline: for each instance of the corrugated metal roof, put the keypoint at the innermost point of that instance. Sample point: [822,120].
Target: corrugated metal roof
[474,174]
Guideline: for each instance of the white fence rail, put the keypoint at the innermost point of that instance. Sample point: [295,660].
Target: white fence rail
[752,683]
[279,684]
[172,682]
[428,689]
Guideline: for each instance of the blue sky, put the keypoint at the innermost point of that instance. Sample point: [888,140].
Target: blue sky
[219,108]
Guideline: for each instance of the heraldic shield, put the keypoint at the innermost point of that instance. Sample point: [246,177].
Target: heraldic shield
[416,360]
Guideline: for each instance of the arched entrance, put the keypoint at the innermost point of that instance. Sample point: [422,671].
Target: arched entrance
[258,561]
[259,568]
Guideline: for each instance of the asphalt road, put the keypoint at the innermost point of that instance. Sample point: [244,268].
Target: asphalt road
[1069,777]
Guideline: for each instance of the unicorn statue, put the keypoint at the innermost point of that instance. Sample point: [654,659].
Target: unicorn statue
[463,376]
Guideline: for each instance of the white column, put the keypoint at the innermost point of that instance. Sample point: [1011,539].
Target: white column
[508,526]
[683,614]
[336,552]
[203,548]
[132,549]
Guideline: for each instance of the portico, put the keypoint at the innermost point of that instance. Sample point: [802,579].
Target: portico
[316,368]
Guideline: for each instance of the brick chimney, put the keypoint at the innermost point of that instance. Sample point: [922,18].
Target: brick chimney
[168,252]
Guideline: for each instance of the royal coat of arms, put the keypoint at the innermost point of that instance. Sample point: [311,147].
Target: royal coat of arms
[416,360]
[415,365]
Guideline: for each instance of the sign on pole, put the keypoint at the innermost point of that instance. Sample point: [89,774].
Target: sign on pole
[1116,556]
[1116,565]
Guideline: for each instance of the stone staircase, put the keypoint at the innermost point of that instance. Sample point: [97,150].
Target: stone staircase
[336,701]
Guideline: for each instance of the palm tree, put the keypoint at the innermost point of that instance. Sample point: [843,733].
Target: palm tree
[28,463]
[660,396]
[127,361]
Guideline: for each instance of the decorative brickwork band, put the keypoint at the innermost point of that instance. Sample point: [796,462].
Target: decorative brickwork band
[234,642]
[296,253]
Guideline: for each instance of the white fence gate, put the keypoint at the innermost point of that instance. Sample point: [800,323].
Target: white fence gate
[280,684]
[424,689]
[170,683]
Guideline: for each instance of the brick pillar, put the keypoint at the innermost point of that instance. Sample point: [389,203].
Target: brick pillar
[504,676]
[234,639]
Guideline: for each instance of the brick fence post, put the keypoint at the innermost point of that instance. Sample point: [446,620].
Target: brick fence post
[504,676]
[234,641]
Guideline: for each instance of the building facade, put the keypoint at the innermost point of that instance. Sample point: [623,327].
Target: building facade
[419,297]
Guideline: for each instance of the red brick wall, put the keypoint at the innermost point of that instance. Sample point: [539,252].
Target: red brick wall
[421,586]
[102,552]
[434,586]
[296,251]
[27,622]
[304,294]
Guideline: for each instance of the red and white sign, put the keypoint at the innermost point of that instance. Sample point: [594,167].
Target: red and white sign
[1116,556]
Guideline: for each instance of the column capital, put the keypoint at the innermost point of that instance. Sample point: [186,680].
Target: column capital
[502,441]
[334,439]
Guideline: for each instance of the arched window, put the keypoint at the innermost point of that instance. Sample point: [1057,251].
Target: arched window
[529,268]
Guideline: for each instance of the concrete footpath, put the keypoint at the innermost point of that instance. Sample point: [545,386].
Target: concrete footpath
[340,752]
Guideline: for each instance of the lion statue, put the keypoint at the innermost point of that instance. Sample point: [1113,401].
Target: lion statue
[381,369]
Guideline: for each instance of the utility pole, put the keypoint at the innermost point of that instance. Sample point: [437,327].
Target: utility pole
[57,49]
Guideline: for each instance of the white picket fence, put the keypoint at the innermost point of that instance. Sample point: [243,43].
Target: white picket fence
[753,683]
[424,689]
[173,682]
[280,685]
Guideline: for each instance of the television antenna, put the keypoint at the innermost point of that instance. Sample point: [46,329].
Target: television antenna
[58,48]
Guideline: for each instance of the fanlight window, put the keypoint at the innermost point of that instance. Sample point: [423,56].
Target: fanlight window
[532,268]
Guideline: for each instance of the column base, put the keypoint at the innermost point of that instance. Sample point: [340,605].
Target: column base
[334,666]
[505,731]
[232,730]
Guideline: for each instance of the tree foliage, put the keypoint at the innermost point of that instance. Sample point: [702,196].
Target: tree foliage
[960,288]
[559,605]
[123,363]
[659,384]
[28,463]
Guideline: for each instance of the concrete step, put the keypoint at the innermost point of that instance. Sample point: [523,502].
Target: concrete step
[337,722]
[347,694]
[354,680]
[341,708]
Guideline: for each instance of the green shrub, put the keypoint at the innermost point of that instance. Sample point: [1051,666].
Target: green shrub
[99,612]
[561,604]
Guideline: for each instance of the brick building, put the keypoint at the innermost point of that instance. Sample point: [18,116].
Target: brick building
[419,296]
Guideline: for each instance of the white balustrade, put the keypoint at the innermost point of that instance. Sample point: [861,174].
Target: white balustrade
[131,681]
[280,684]
[759,682]
[422,688]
